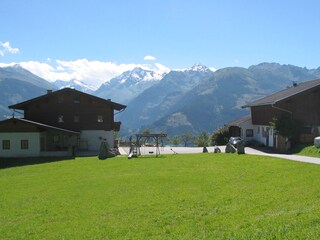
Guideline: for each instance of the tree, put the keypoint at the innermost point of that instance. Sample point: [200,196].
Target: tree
[116,134]
[202,140]
[146,131]
[175,141]
[286,126]
[186,138]
[220,136]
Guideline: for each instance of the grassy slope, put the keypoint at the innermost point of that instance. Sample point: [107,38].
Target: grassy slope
[202,196]
[306,150]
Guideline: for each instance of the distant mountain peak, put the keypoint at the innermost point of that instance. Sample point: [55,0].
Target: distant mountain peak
[138,74]
[130,84]
[200,67]
[75,84]
[266,66]
[197,67]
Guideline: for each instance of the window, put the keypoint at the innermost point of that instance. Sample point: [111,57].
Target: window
[100,118]
[249,132]
[56,138]
[76,119]
[5,144]
[60,99]
[76,99]
[60,118]
[24,144]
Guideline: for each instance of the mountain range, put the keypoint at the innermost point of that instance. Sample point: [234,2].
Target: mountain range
[194,100]
[76,84]
[17,84]
[128,85]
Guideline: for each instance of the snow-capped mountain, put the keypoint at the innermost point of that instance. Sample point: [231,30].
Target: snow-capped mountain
[163,97]
[76,84]
[129,84]
[199,68]
[135,76]
[190,100]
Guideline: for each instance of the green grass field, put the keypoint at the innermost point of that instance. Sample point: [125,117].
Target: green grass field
[196,196]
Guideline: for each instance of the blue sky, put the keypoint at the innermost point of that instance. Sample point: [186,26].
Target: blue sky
[51,36]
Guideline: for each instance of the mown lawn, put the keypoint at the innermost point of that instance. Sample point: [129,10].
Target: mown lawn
[196,196]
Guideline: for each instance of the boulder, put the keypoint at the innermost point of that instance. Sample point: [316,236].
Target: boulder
[240,147]
[204,150]
[105,151]
[216,150]
[317,142]
[230,148]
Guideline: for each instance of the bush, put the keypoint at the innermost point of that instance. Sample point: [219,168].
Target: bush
[288,127]
[202,140]
[220,136]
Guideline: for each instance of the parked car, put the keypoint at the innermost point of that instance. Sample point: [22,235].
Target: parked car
[234,141]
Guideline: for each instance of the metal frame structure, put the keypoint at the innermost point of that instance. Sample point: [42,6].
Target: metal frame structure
[135,148]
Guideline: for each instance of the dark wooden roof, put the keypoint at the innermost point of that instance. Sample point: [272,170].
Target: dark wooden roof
[22,105]
[238,122]
[284,94]
[39,125]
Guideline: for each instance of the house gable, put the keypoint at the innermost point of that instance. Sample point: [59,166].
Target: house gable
[285,94]
[60,123]
[71,109]
[301,102]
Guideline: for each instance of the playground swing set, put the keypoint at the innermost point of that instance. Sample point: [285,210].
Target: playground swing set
[135,147]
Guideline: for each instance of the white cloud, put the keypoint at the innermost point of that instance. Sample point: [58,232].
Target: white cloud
[149,58]
[7,48]
[93,73]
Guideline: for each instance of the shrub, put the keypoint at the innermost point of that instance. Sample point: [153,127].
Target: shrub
[202,140]
[288,127]
[220,136]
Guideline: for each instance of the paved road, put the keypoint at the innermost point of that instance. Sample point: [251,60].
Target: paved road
[248,150]
[285,156]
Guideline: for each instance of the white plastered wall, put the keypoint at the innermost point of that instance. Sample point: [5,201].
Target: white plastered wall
[95,137]
[247,125]
[260,137]
[15,144]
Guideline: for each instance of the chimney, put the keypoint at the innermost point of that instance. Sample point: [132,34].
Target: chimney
[49,91]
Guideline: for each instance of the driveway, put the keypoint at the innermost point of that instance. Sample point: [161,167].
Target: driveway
[248,150]
[285,156]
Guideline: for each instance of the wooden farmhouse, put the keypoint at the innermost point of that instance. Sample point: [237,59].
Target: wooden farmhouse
[59,123]
[300,102]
